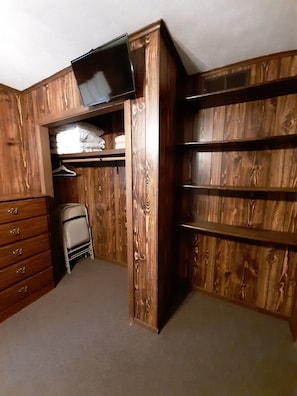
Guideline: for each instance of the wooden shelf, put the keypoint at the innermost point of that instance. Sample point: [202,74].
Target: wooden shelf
[95,156]
[265,236]
[81,113]
[285,86]
[267,193]
[262,143]
[239,188]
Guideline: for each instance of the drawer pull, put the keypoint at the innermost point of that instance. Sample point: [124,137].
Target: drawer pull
[21,270]
[23,289]
[13,211]
[15,231]
[17,252]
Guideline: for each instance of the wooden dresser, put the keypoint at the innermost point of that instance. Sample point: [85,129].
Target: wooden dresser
[25,256]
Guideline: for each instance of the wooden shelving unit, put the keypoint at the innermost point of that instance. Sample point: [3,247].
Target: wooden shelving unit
[237,194]
[246,192]
[282,141]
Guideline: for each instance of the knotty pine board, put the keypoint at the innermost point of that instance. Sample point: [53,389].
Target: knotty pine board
[259,276]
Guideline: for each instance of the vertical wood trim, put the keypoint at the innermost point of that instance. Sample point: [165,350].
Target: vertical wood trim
[167,271]
[152,66]
[141,297]
[44,155]
[129,200]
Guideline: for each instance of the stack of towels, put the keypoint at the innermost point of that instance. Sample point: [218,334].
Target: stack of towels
[76,138]
[120,142]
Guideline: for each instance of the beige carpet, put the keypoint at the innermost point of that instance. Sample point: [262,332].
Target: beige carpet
[76,341]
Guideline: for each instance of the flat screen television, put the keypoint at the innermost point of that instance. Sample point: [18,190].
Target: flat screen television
[105,73]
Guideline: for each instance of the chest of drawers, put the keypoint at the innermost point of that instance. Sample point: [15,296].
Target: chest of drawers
[25,255]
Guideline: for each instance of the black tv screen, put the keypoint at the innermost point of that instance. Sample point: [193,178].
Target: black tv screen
[105,73]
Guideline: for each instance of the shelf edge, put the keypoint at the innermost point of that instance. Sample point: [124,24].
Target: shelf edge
[276,237]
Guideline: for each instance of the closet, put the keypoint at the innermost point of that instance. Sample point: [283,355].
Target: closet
[100,184]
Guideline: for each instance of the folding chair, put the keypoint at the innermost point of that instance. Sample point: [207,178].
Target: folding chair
[76,233]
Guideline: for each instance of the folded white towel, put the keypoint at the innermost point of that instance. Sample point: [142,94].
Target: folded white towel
[76,133]
[72,147]
[119,146]
[78,144]
[77,128]
[120,139]
[69,150]
[79,136]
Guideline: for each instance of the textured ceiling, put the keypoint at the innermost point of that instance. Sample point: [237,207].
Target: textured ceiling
[40,38]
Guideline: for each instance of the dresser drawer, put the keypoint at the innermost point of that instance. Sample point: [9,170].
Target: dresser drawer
[22,209]
[24,269]
[21,229]
[18,251]
[23,289]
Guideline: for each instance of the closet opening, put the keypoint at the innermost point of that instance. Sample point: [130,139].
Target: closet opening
[96,180]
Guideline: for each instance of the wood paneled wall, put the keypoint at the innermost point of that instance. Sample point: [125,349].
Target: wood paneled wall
[19,171]
[260,275]
[262,69]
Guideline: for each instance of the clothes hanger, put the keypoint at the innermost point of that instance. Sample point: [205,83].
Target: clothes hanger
[62,170]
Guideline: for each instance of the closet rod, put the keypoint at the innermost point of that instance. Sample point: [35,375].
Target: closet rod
[100,159]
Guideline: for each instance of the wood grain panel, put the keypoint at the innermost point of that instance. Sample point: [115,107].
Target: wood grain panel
[153,138]
[280,279]
[152,152]
[259,276]
[167,263]
[264,68]
[56,96]
[141,299]
[14,159]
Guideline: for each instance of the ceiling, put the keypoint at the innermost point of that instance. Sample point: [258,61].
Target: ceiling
[40,38]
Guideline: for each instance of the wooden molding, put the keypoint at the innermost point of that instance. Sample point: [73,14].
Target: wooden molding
[247,62]
[7,88]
